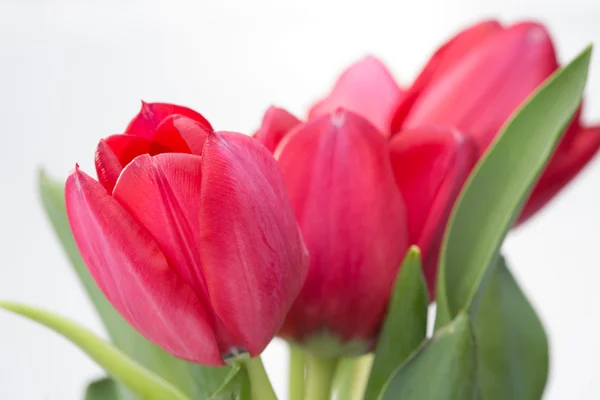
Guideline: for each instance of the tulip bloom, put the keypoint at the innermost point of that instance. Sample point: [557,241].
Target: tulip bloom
[190,234]
[478,79]
[338,173]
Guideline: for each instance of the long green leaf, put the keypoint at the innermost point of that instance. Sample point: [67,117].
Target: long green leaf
[443,368]
[144,383]
[180,373]
[405,325]
[495,193]
[512,346]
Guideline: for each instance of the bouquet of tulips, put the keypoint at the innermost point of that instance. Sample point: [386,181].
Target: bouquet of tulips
[335,232]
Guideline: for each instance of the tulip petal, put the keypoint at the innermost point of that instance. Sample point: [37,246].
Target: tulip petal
[181,135]
[276,123]
[441,61]
[252,252]
[134,275]
[152,114]
[481,91]
[430,166]
[162,193]
[352,217]
[108,166]
[128,147]
[366,88]
[563,167]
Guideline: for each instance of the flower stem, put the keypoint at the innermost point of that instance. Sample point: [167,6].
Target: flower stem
[260,385]
[297,358]
[362,370]
[319,378]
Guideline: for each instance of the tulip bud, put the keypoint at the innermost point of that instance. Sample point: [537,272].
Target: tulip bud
[338,173]
[366,88]
[480,91]
[478,79]
[201,254]
[430,165]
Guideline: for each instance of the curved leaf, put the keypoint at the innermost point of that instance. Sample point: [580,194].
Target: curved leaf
[405,325]
[512,348]
[495,193]
[443,368]
[142,382]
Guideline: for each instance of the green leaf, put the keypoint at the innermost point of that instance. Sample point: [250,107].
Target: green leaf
[221,383]
[120,332]
[495,193]
[511,343]
[144,383]
[235,386]
[405,326]
[443,368]
[103,389]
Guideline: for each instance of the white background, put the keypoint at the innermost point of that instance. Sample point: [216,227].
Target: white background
[74,71]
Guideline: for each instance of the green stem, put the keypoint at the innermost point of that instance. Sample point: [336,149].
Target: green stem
[319,377]
[260,385]
[297,358]
[351,378]
[362,370]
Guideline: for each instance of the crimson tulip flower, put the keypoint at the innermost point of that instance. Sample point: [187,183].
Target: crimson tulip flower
[353,220]
[345,181]
[190,234]
[476,80]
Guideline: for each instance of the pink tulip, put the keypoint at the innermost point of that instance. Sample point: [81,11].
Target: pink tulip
[366,88]
[190,234]
[339,176]
[478,79]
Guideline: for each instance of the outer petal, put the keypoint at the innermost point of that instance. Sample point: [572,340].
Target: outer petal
[181,135]
[442,60]
[480,92]
[134,274]
[276,123]
[162,193]
[253,256]
[431,166]
[366,88]
[563,167]
[352,217]
[152,114]
[108,166]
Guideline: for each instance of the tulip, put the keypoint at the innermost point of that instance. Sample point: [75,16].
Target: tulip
[338,172]
[478,79]
[430,166]
[190,234]
[366,88]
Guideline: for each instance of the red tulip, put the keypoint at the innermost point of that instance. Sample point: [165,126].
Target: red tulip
[430,165]
[190,234]
[338,173]
[366,88]
[478,79]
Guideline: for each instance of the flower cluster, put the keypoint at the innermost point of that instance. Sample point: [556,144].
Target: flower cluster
[210,243]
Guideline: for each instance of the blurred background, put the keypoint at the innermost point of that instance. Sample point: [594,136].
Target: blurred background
[72,72]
